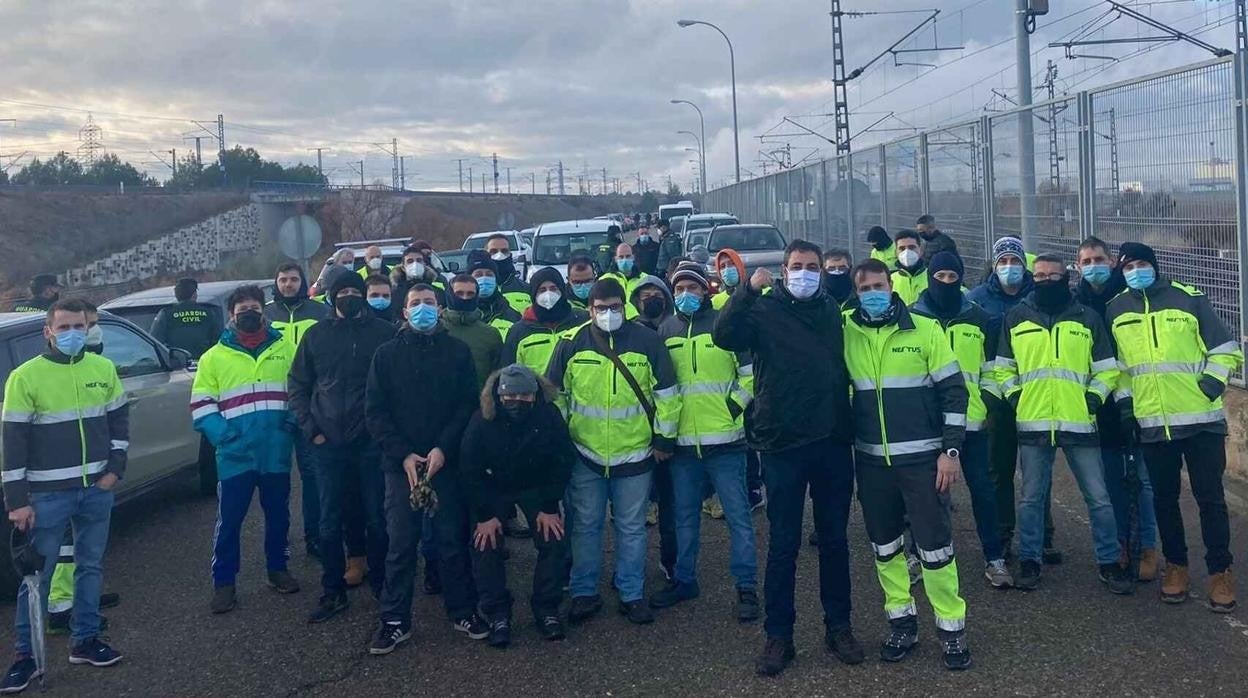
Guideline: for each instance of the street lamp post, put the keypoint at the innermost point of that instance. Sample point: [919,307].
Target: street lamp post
[702,153]
[732,62]
[702,123]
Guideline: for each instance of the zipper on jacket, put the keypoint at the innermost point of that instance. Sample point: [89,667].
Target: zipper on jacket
[693,358]
[82,433]
[879,395]
[606,469]
[1152,356]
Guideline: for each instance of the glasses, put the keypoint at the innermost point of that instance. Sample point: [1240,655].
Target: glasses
[615,307]
[1055,276]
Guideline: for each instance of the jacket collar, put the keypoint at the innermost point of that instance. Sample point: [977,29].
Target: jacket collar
[59,358]
[461,317]
[230,339]
[901,316]
[923,306]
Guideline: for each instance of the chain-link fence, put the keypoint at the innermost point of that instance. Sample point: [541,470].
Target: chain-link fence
[1160,159]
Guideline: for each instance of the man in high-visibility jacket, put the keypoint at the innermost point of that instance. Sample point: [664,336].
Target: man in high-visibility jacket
[1056,365]
[291,313]
[238,402]
[373,263]
[909,277]
[966,327]
[532,341]
[909,401]
[496,310]
[882,247]
[581,278]
[510,285]
[618,440]
[716,386]
[1177,356]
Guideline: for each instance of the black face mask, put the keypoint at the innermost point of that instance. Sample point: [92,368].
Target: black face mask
[506,268]
[348,306]
[838,285]
[879,239]
[653,307]
[517,410]
[454,302]
[249,321]
[946,297]
[1053,296]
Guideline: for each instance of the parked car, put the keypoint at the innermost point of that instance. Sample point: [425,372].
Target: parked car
[698,227]
[455,261]
[758,245]
[141,307]
[555,243]
[157,381]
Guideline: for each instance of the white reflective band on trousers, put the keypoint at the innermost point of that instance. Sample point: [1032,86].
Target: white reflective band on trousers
[890,548]
[902,611]
[1057,425]
[900,448]
[937,556]
[951,625]
[1182,419]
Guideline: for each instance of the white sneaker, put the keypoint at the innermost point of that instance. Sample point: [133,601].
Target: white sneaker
[998,575]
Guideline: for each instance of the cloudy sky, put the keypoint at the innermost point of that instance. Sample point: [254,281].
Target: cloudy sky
[587,82]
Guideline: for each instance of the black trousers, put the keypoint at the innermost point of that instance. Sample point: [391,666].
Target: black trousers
[490,572]
[1205,455]
[1003,463]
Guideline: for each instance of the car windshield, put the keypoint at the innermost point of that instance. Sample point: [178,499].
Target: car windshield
[141,315]
[557,249]
[479,243]
[746,240]
[707,223]
[698,239]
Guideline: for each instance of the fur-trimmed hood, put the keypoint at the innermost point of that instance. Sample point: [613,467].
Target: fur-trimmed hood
[489,398]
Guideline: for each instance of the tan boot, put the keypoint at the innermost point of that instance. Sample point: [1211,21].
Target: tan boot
[1148,565]
[1174,584]
[357,567]
[1221,592]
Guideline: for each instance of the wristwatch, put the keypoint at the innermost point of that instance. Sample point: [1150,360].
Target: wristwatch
[953,453]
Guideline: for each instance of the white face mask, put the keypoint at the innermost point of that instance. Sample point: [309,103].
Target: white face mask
[95,336]
[499,256]
[415,270]
[548,299]
[374,263]
[802,284]
[908,258]
[609,320]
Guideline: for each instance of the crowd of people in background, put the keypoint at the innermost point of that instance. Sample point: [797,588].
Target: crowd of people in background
[430,417]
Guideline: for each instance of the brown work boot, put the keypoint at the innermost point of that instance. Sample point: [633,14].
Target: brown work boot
[357,567]
[1222,592]
[1174,583]
[1148,565]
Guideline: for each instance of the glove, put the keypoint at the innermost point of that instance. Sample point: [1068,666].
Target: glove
[1211,387]
[1094,402]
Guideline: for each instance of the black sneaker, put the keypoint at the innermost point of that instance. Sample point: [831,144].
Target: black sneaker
[1051,555]
[1028,575]
[388,636]
[109,599]
[1117,579]
[473,627]
[59,623]
[282,582]
[637,612]
[956,653]
[500,633]
[19,675]
[777,653]
[223,599]
[433,580]
[844,645]
[747,606]
[329,606]
[584,607]
[903,635]
[550,627]
[674,593]
[94,652]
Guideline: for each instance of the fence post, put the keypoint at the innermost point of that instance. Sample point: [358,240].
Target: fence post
[1087,166]
[1240,66]
[925,189]
[988,189]
[883,188]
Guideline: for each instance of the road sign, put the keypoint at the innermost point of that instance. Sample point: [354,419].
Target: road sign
[299,237]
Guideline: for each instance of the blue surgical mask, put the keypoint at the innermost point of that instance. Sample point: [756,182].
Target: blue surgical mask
[875,303]
[581,289]
[379,303]
[643,238]
[422,317]
[1140,278]
[688,303]
[730,276]
[1011,275]
[803,284]
[1095,273]
[625,265]
[486,285]
[70,342]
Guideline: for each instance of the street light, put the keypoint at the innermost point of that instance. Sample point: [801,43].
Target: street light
[702,122]
[702,154]
[732,61]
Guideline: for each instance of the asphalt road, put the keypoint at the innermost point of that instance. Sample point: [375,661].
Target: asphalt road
[1071,637]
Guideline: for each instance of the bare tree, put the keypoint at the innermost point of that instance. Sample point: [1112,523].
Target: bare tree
[363,214]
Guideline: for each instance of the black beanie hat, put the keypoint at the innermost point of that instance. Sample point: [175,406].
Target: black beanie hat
[342,281]
[480,259]
[945,261]
[1132,251]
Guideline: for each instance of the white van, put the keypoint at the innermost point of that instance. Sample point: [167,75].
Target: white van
[555,243]
[680,208]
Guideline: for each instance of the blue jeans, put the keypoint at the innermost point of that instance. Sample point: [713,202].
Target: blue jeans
[310,502]
[1085,463]
[335,465]
[233,501]
[588,493]
[726,472]
[88,510]
[1115,462]
[983,493]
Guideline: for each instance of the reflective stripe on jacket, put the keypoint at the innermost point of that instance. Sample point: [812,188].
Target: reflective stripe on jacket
[975,350]
[1168,339]
[293,322]
[532,343]
[1047,366]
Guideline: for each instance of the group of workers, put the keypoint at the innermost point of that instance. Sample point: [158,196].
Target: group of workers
[428,416]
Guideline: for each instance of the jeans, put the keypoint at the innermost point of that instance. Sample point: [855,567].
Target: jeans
[1002,431]
[661,491]
[588,493]
[490,572]
[983,493]
[726,472]
[336,466]
[1115,464]
[310,502]
[233,501]
[403,527]
[88,510]
[1205,455]
[827,469]
[1085,463]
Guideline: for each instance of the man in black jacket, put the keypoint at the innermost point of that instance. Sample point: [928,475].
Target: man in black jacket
[801,425]
[422,390]
[933,240]
[188,324]
[517,449]
[326,388]
[670,245]
[646,251]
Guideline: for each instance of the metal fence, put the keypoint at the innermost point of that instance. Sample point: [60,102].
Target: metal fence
[1159,159]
